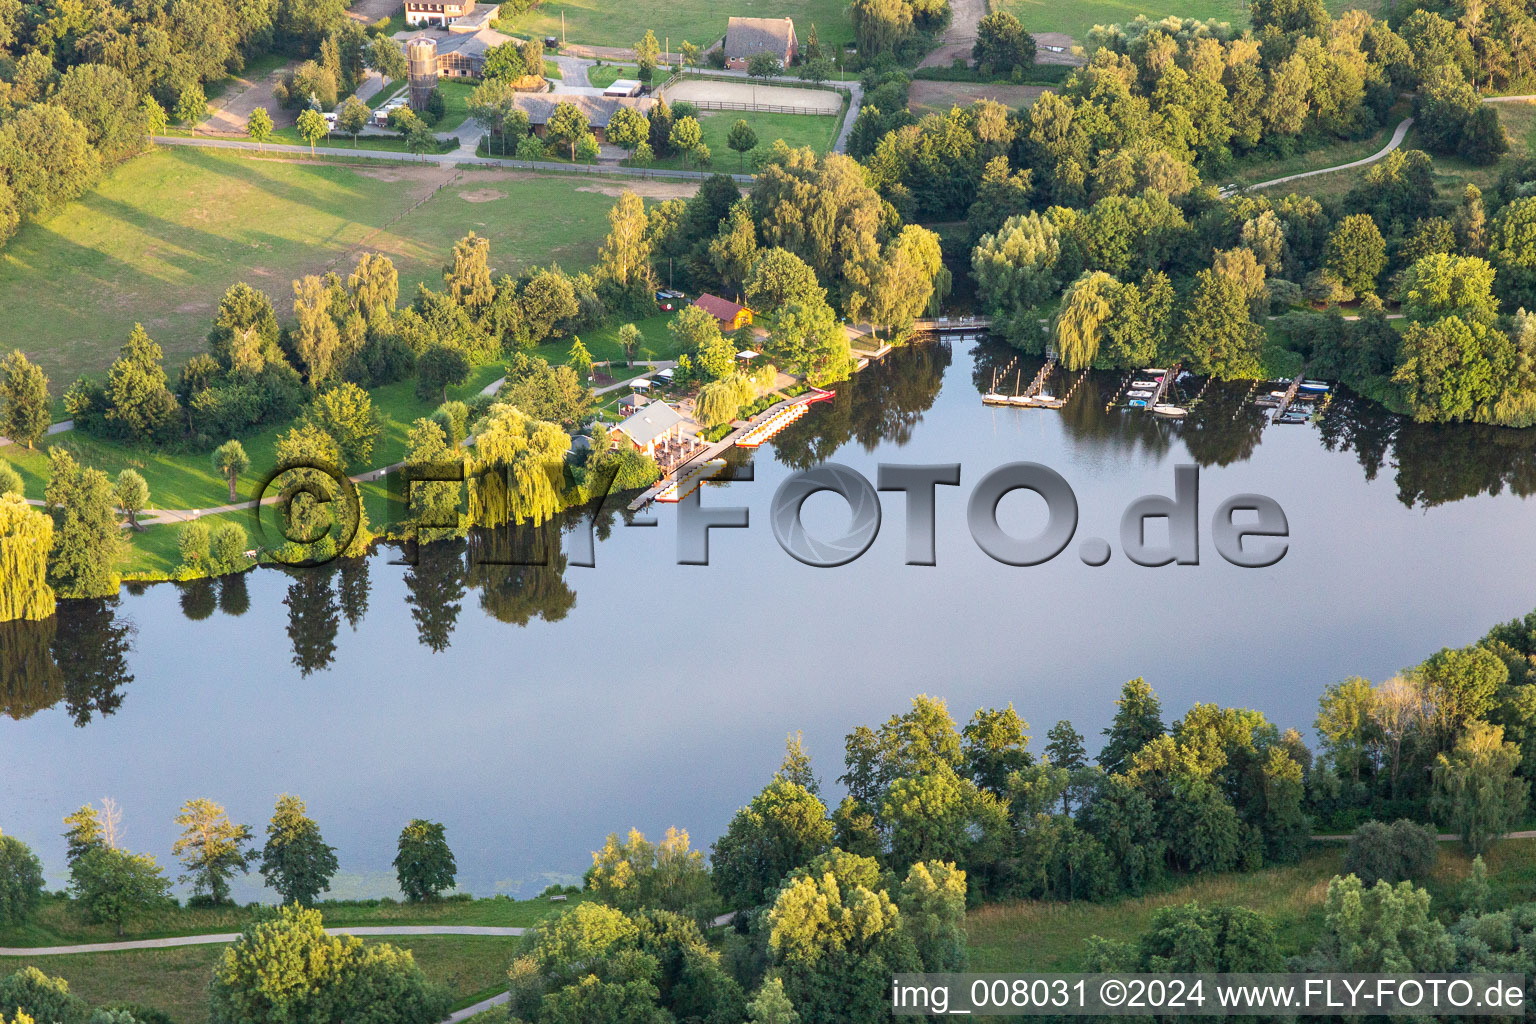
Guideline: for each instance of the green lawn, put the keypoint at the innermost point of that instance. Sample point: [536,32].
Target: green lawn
[187,479]
[455,103]
[57,922]
[1076,19]
[164,235]
[551,70]
[604,75]
[603,23]
[818,131]
[176,980]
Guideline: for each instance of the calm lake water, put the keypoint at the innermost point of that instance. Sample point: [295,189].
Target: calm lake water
[533,710]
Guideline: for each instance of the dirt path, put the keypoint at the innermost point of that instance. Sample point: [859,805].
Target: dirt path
[965,15]
[233,109]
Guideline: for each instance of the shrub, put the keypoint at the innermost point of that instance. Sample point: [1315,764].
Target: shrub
[193,540]
[1398,852]
[32,992]
[21,881]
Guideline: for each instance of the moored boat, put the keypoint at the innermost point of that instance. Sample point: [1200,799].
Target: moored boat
[1173,411]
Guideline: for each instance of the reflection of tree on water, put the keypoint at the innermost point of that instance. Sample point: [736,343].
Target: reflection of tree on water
[884,402]
[198,600]
[512,591]
[234,595]
[1435,464]
[80,657]
[435,586]
[353,586]
[313,617]
[1224,428]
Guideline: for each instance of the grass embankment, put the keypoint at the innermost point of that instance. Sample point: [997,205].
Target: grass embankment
[603,23]
[1452,174]
[603,75]
[1039,936]
[175,981]
[164,235]
[58,923]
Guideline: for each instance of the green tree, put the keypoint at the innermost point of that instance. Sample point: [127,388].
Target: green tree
[211,847]
[468,277]
[516,471]
[1217,333]
[26,535]
[718,402]
[1065,750]
[230,460]
[345,412]
[628,128]
[783,828]
[1382,929]
[996,742]
[686,137]
[227,545]
[138,400]
[154,119]
[1450,369]
[353,117]
[1002,45]
[312,127]
[566,125]
[779,277]
[386,57]
[289,969]
[587,148]
[579,360]
[742,139]
[1401,851]
[1476,789]
[10,480]
[194,543]
[1441,284]
[932,905]
[629,340]
[439,368]
[114,886]
[30,995]
[259,126]
[1079,325]
[296,861]
[424,864]
[634,874]
[1138,721]
[21,882]
[647,52]
[87,546]
[771,1005]
[1356,252]
[191,105]
[132,495]
[47,158]
[24,412]
[87,832]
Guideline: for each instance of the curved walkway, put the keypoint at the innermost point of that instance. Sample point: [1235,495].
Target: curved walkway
[1397,140]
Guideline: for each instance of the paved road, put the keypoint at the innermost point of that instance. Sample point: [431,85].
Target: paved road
[56,428]
[573,73]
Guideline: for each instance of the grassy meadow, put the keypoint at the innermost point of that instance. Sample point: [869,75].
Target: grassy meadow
[603,23]
[163,236]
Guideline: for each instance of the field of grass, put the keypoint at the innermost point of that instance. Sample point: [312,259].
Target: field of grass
[56,922]
[455,96]
[187,480]
[603,23]
[163,236]
[176,980]
[1076,19]
[1452,174]
[818,131]
[604,75]
[1341,152]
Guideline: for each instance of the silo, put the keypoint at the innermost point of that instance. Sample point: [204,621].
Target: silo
[421,60]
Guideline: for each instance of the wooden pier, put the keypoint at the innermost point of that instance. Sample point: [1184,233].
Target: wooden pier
[952,324]
[1290,396]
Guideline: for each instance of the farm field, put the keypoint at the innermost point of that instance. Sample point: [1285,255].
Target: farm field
[163,236]
[603,23]
[930,97]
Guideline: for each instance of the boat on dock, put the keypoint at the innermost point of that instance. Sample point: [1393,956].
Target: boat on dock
[772,425]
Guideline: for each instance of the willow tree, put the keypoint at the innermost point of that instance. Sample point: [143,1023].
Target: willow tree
[1079,326]
[515,474]
[26,534]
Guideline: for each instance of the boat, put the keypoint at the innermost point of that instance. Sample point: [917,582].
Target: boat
[1136,403]
[1314,389]
[1267,403]
[1278,394]
[1138,394]
[1164,409]
[1320,385]
[1143,384]
[1020,400]
[994,396]
[1293,417]
[1153,371]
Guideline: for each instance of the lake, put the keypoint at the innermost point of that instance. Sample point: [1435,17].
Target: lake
[535,709]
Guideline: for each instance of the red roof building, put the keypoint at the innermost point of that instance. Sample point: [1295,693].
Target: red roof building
[730,315]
